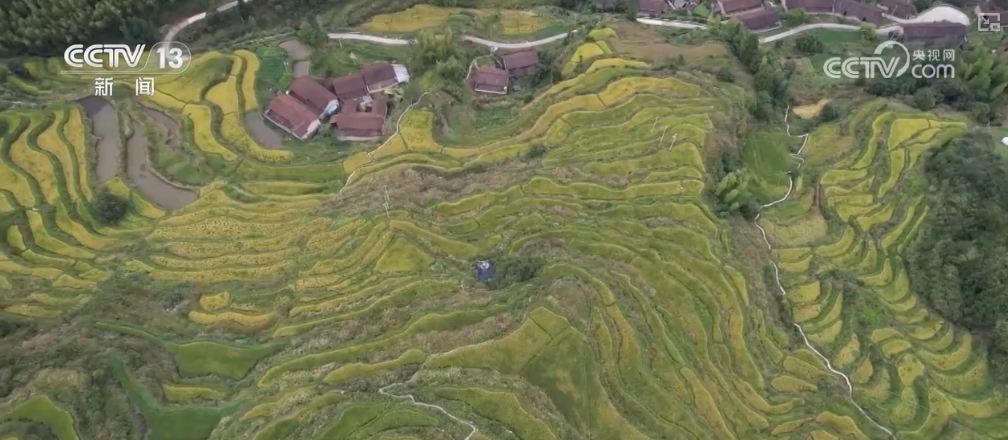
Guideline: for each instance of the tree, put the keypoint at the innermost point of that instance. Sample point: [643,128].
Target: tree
[733,194]
[925,99]
[310,35]
[809,44]
[829,113]
[138,31]
[725,74]
[109,208]
[18,69]
[794,17]
[868,33]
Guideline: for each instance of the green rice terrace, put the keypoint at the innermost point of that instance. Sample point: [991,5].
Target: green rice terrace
[282,298]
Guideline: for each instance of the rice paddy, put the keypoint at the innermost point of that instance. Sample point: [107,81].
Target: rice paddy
[306,301]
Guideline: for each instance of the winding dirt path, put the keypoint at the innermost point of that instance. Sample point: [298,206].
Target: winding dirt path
[150,183]
[383,391]
[105,127]
[783,292]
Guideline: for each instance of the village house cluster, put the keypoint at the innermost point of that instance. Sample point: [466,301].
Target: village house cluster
[490,79]
[346,103]
[761,15]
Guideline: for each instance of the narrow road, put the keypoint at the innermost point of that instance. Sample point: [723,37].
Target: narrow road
[364,37]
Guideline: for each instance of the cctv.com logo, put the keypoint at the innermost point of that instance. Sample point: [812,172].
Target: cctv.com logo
[883,67]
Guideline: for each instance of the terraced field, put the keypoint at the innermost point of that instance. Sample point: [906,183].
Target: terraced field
[314,310]
[848,288]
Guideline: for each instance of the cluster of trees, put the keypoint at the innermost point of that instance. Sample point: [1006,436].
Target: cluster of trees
[770,76]
[979,86]
[109,208]
[47,27]
[511,270]
[958,262]
[809,44]
[733,195]
[440,53]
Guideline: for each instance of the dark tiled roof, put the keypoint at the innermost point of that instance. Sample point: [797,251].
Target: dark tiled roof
[520,60]
[811,5]
[290,113]
[359,121]
[990,8]
[734,6]
[378,73]
[348,88]
[652,6]
[760,20]
[311,93]
[491,79]
[932,31]
[379,107]
[857,10]
[899,8]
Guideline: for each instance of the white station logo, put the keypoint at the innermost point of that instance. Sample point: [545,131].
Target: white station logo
[77,56]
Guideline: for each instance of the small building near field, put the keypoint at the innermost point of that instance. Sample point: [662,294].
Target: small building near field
[490,80]
[811,6]
[348,87]
[859,11]
[521,63]
[735,7]
[292,116]
[898,8]
[652,8]
[360,121]
[314,96]
[942,33]
[381,76]
[760,19]
[992,9]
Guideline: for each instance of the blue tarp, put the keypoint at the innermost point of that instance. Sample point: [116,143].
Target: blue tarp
[484,270]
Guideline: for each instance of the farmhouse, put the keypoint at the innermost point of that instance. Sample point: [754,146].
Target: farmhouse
[652,7]
[811,6]
[605,5]
[760,19]
[314,96]
[898,8]
[861,11]
[734,7]
[348,87]
[359,121]
[521,63]
[292,116]
[990,8]
[942,33]
[381,76]
[490,80]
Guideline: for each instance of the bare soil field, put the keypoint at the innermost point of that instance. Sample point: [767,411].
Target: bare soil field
[105,127]
[300,55]
[152,185]
[261,132]
[639,41]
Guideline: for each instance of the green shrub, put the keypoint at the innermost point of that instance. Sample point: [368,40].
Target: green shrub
[726,75]
[829,113]
[509,271]
[109,208]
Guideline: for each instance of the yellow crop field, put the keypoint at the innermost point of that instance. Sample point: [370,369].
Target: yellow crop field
[834,177]
[789,384]
[520,22]
[602,33]
[33,311]
[45,241]
[205,140]
[221,275]
[417,132]
[246,259]
[215,301]
[50,142]
[902,130]
[233,131]
[52,301]
[15,239]
[583,53]
[219,228]
[848,353]
[402,256]
[609,63]
[410,20]
[627,87]
[225,95]
[188,393]
[165,100]
[248,79]
[250,321]
[36,164]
